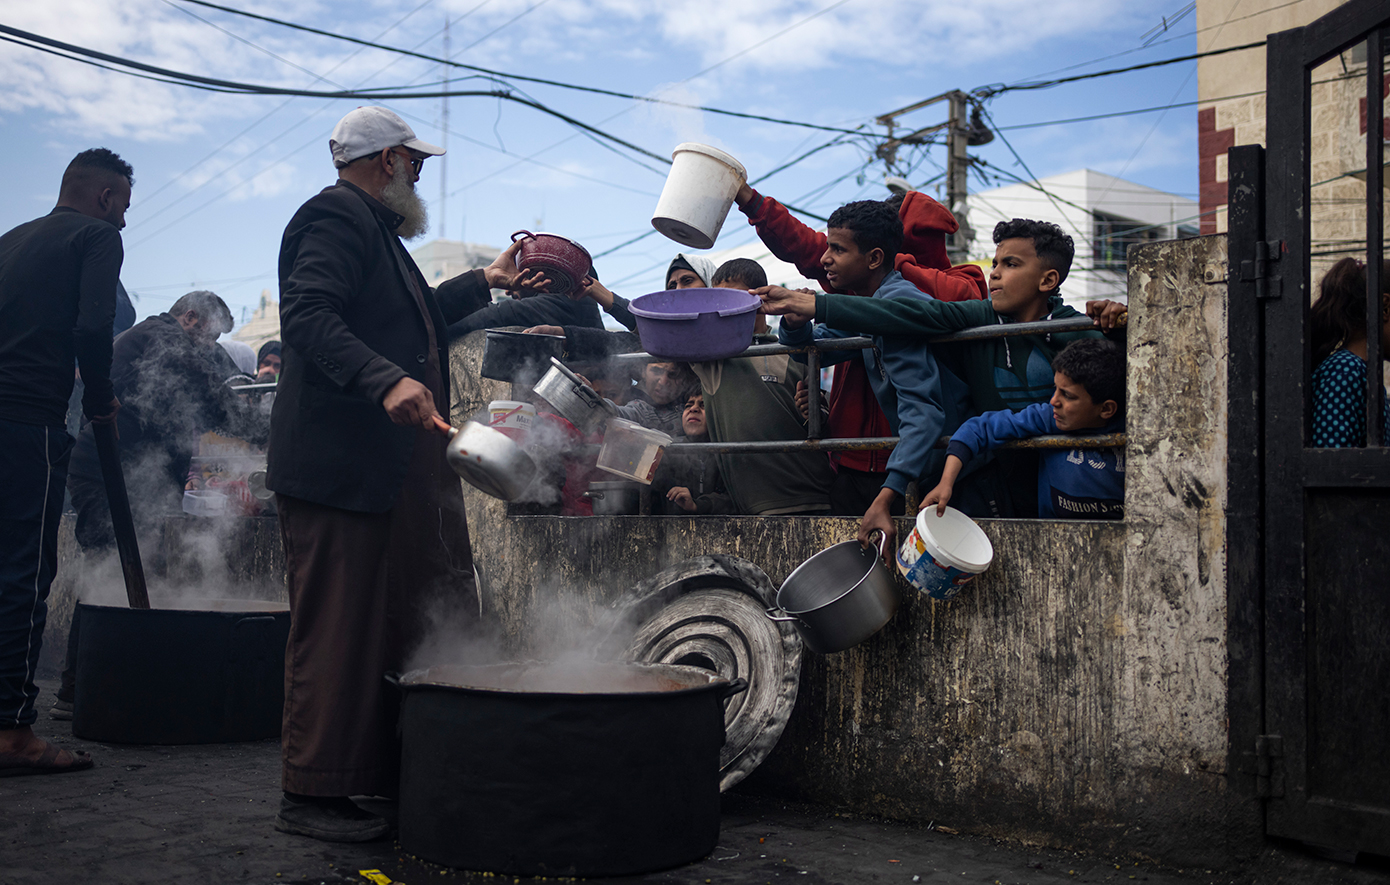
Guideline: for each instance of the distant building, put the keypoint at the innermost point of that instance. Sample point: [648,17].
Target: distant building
[1105,215]
[441,260]
[264,324]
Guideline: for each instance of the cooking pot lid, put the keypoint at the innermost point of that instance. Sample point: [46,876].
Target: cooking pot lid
[710,612]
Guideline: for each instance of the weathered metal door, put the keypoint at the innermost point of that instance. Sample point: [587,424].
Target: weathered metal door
[1310,528]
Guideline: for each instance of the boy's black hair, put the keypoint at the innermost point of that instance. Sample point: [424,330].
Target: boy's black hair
[1054,247]
[740,270]
[873,224]
[1097,365]
[95,162]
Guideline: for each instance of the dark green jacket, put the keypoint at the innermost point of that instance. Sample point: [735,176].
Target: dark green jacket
[1002,373]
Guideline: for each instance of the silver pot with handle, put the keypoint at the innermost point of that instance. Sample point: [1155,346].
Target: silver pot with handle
[572,399]
[839,597]
[616,498]
[488,460]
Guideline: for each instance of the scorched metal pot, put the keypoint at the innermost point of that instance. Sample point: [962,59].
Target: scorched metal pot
[558,772]
[175,676]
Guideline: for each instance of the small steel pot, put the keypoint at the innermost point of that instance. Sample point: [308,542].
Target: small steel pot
[489,460]
[509,354]
[572,399]
[839,597]
[616,498]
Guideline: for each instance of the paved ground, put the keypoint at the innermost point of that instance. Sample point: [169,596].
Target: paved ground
[202,814]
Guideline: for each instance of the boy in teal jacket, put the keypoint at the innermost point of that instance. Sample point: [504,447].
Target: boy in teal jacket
[1031,261]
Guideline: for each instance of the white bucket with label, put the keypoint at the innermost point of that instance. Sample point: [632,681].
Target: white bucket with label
[699,190]
[511,417]
[943,553]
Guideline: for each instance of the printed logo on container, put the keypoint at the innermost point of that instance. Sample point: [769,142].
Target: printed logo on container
[936,579]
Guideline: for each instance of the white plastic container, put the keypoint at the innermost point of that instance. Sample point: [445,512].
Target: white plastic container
[511,417]
[699,190]
[205,502]
[631,450]
[943,553]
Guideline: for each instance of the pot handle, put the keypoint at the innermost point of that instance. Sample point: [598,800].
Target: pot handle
[522,233]
[592,495]
[882,542]
[393,678]
[772,616]
[735,686]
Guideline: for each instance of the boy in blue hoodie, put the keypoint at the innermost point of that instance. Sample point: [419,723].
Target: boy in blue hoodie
[861,240]
[1089,397]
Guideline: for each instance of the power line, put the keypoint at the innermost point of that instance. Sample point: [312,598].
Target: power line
[547,82]
[233,87]
[986,92]
[1166,107]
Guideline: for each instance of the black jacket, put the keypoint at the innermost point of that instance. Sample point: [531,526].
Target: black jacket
[351,328]
[58,279]
[171,390]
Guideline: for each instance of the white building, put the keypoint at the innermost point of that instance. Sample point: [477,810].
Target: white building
[441,260]
[1102,213]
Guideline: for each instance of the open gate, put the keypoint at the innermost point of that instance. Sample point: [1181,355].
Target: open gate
[1309,529]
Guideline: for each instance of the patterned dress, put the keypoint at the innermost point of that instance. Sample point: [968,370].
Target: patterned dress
[1339,403]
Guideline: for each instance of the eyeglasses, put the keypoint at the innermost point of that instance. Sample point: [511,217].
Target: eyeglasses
[415,162]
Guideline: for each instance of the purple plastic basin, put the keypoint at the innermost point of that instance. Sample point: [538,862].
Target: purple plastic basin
[694,325]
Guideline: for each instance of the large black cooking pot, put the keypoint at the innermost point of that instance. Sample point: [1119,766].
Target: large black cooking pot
[523,769]
[507,354]
[177,676]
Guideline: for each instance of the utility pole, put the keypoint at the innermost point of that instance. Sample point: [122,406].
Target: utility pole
[444,160]
[961,132]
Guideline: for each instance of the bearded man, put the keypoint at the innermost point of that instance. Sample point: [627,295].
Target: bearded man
[371,516]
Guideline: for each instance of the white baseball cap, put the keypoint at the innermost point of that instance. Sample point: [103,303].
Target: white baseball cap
[370,130]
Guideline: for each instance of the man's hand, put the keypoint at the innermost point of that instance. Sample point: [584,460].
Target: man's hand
[796,306]
[410,404]
[1107,314]
[544,330]
[745,195]
[879,518]
[803,400]
[502,273]
[109,416]
[680,496]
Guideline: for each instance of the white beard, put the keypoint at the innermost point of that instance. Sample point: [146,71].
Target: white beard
[400,197]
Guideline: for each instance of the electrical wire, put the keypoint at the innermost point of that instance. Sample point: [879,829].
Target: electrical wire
[986,92]
[1166,107]
[548,82]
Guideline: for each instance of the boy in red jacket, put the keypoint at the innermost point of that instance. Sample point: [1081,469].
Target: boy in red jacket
[854,410]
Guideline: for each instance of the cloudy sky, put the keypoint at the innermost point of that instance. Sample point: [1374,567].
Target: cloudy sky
[218,176]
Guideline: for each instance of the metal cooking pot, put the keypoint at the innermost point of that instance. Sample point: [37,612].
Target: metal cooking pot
[509,354]
[616,498]
[562,259]
[489,460]
[181,676]
[607,770]
[839,597]
[572,399]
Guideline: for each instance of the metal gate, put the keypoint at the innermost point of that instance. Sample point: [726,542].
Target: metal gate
[1309,529]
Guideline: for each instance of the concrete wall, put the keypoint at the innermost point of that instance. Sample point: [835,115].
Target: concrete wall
[1074,695]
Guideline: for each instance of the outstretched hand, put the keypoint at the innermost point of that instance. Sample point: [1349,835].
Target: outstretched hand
[592,288]
[796,306]
[502,273]
[879,518]
[1108,314]
[940,496]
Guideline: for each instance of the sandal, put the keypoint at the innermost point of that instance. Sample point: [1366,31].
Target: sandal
[14,765]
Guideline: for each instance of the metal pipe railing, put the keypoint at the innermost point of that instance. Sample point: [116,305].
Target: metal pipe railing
[864,444]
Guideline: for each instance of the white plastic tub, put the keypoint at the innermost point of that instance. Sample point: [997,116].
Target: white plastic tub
[631,450]
[699,190]
[943,553]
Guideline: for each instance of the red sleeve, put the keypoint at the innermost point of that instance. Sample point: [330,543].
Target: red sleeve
[789,239]
[963,282]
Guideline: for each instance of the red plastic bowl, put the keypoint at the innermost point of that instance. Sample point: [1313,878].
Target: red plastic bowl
[563,260]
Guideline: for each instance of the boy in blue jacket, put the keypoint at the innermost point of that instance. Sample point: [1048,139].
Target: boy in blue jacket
[1072,483]
[861,240]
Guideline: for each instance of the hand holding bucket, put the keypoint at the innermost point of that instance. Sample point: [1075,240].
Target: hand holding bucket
[943,553]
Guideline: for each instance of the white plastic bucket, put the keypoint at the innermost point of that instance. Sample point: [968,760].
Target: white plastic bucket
[511,417]
[631,450]
[699,190]
[942,553]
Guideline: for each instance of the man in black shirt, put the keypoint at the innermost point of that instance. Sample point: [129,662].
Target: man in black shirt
[58,278]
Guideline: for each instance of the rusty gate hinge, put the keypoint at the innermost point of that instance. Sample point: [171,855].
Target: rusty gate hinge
[1269,766]
[1262,270]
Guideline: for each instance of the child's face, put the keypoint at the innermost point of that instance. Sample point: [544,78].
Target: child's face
[659,380]
[1019,282]
[684,278]
[1073,409]
[693,418]
[846,267]
[759,324]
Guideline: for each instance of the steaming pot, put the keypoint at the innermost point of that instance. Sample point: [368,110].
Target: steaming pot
[572,399]
[179,676]
[553,771]
[489,460]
